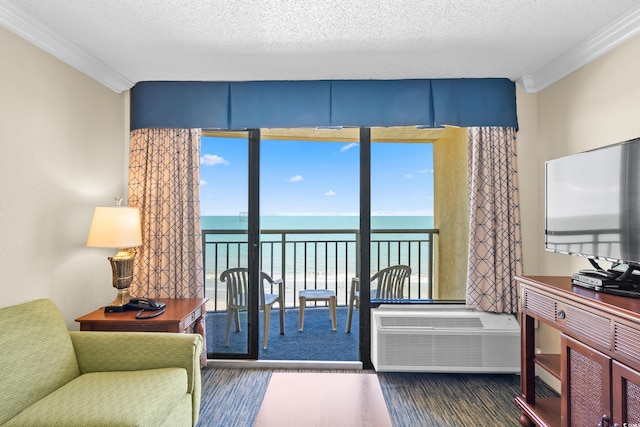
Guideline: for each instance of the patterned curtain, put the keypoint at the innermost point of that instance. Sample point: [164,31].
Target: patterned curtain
[164,183]
[495,246]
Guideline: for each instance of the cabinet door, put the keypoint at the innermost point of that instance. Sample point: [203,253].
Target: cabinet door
[626,394]
[586,384]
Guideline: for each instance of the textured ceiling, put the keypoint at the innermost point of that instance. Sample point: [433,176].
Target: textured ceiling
[236,40]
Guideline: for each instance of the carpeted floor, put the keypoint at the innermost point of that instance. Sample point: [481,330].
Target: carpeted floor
[232,398]
[316,342]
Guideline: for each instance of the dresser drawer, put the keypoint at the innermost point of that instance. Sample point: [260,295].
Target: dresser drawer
[196,314]
[540,305]
[586,326]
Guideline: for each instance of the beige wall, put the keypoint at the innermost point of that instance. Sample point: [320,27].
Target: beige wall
[451,214]
[64,143]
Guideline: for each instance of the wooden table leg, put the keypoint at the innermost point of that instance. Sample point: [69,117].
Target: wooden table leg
[198,328]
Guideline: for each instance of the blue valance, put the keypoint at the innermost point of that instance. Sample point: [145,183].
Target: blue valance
[180,105]
[280,104]
[319,103]
[383,103]
[473,102]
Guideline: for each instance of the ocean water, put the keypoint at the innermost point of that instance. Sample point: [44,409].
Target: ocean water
[313,254]
[239,222]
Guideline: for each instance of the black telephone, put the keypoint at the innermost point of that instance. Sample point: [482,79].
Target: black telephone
[145,304]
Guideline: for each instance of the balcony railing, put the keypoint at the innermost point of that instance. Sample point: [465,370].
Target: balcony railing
[318,259]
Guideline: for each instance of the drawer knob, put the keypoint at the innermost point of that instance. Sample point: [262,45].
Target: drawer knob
[562,314]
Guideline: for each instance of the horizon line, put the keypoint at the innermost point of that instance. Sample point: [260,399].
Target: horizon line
[243,214]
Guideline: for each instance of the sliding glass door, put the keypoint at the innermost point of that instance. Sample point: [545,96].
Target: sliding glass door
[229,200]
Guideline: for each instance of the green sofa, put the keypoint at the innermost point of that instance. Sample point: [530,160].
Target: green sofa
[52,377]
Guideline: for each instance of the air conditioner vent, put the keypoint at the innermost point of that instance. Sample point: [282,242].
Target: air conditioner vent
[444,339]
[431,322]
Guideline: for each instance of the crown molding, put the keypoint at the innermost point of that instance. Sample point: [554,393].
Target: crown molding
[20,23]
[597,45]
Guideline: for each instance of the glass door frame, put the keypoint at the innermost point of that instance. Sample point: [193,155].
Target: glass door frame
[253,303]
[364,268]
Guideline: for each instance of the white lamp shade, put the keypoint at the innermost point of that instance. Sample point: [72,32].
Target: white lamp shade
[115,227]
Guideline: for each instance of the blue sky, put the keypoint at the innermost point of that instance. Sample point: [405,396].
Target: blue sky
[316,178]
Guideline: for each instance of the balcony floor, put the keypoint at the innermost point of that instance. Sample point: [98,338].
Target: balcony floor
[317,342]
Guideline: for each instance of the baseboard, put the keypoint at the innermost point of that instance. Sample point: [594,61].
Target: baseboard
[283,364]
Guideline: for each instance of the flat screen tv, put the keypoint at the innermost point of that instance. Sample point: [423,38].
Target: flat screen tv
[593,204]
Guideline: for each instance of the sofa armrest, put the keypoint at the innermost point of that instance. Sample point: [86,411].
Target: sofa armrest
[130,351]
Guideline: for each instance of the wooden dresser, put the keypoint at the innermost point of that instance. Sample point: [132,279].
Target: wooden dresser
[599,360]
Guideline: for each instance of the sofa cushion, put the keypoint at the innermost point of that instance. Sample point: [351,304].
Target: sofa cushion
[180,415]
[131,351]
[36,355]
[121,398]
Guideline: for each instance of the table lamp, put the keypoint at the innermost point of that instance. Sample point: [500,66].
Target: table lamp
[117,227]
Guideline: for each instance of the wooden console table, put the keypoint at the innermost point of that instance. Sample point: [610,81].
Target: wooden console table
[599,360]
[179,316]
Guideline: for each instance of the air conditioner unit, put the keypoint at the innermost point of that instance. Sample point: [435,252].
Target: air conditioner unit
[443,338]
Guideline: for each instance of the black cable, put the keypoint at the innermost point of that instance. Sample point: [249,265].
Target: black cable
[149,316]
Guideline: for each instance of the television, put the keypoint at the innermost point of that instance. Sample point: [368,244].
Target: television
[592,206]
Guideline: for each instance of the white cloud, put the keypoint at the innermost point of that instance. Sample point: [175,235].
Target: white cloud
[348,146]
[330,193]
[212,160]
[296,178]
[203,182]
[409,176]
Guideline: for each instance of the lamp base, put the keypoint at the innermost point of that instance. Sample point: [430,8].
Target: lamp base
[122,276]
[117,305]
